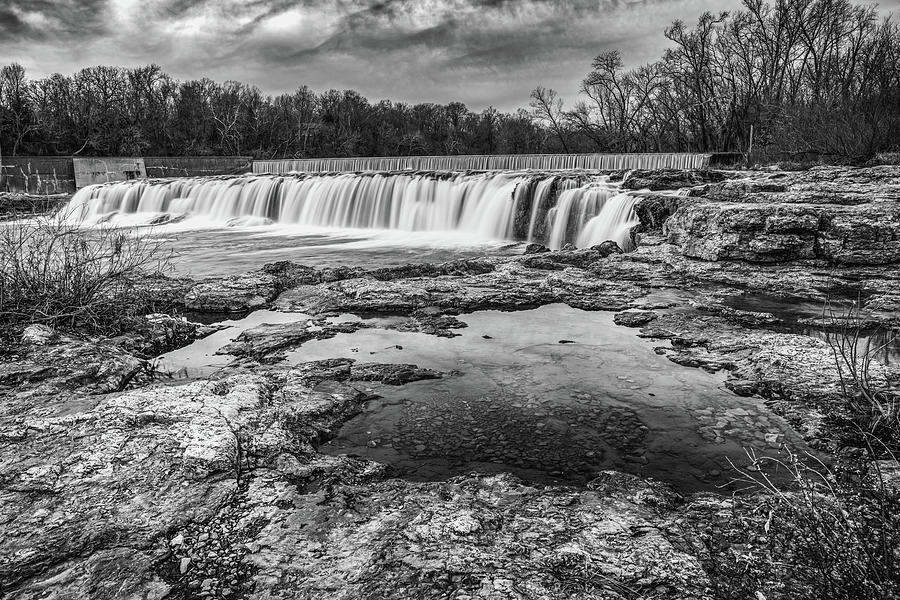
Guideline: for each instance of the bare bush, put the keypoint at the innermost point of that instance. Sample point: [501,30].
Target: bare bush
[872,403]
[57,272]
[835,533]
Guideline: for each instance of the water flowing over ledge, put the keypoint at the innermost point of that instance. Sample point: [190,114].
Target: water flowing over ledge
[514,162]
[550,208]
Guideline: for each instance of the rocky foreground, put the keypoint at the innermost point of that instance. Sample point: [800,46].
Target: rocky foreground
[115,483]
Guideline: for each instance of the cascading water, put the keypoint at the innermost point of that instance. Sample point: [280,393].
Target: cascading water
[591,214]
[553,208]
[507,162]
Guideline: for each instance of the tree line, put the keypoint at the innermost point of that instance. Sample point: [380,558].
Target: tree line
[818,77]
[794,77]
[145,112]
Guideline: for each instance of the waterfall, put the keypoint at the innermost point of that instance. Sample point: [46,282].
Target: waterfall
[613,222]
[509,162]
[491,206]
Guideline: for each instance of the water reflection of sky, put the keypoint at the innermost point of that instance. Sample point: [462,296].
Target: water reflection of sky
[521,401]
[883,342]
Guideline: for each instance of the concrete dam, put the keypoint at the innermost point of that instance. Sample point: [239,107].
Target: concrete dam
[498,162]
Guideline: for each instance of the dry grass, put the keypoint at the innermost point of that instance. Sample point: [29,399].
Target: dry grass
[54,271]
[834,534]
[872,403]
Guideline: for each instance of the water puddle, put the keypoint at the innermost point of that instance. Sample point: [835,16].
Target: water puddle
[199,359]
[553,395]
[808,318]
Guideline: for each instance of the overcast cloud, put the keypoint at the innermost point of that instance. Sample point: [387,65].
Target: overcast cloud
[481,52]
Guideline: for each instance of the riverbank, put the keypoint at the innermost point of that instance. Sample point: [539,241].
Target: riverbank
[123,477]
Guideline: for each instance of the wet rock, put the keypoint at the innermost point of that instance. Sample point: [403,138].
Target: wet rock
[433,539]
[759,221]
[267,341]
[606,248]
[511,285]
[68,363]
[536,249]
[166,219]
[91,492]
[347,369]
[390,374]
[653,210]
[634,317]
[758,233]
[420,321]
[672,179]
[158,333]
[232,294]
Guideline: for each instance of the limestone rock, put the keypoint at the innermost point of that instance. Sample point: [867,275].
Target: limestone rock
[536,249]
[865,234]
[634,317]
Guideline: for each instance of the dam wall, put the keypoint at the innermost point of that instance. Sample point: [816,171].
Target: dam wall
[37,175]
[502,162]
[44,175]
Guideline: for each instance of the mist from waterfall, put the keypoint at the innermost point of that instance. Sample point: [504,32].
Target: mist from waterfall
[550,208]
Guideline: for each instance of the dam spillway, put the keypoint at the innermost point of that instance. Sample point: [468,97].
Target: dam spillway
[470,162]
[555,208]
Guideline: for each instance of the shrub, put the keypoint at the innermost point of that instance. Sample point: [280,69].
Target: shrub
[826,531]
[56,272]
[871,410]
[834,534]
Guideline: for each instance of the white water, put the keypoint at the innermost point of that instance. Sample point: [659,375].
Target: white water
[596,162]
[595,212]
[480,206]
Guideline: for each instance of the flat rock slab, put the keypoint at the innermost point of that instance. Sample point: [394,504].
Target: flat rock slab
[634,317]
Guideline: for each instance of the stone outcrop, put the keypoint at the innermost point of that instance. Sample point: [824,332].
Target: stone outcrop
[842,216]
[867,234]
[215,489]
[672,179]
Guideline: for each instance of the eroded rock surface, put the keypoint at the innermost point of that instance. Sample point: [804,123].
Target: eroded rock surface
[842,216]
[215,489]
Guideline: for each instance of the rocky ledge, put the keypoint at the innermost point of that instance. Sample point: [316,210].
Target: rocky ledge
[840,216]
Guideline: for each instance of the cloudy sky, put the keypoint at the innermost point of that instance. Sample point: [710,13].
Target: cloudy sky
[481,52]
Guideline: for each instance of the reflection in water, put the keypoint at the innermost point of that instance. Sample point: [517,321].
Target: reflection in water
[520,401]
[815,319]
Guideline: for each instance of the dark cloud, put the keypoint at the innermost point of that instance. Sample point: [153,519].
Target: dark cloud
[46,20]
[478,51]
[11,24]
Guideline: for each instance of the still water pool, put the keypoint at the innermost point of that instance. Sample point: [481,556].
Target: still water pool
[553,395]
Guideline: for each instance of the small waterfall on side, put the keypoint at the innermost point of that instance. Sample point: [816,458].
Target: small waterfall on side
[540,195]
[555,208]
[613,222]
[591,214]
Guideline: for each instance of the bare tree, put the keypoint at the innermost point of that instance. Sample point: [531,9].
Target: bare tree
[548,108]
